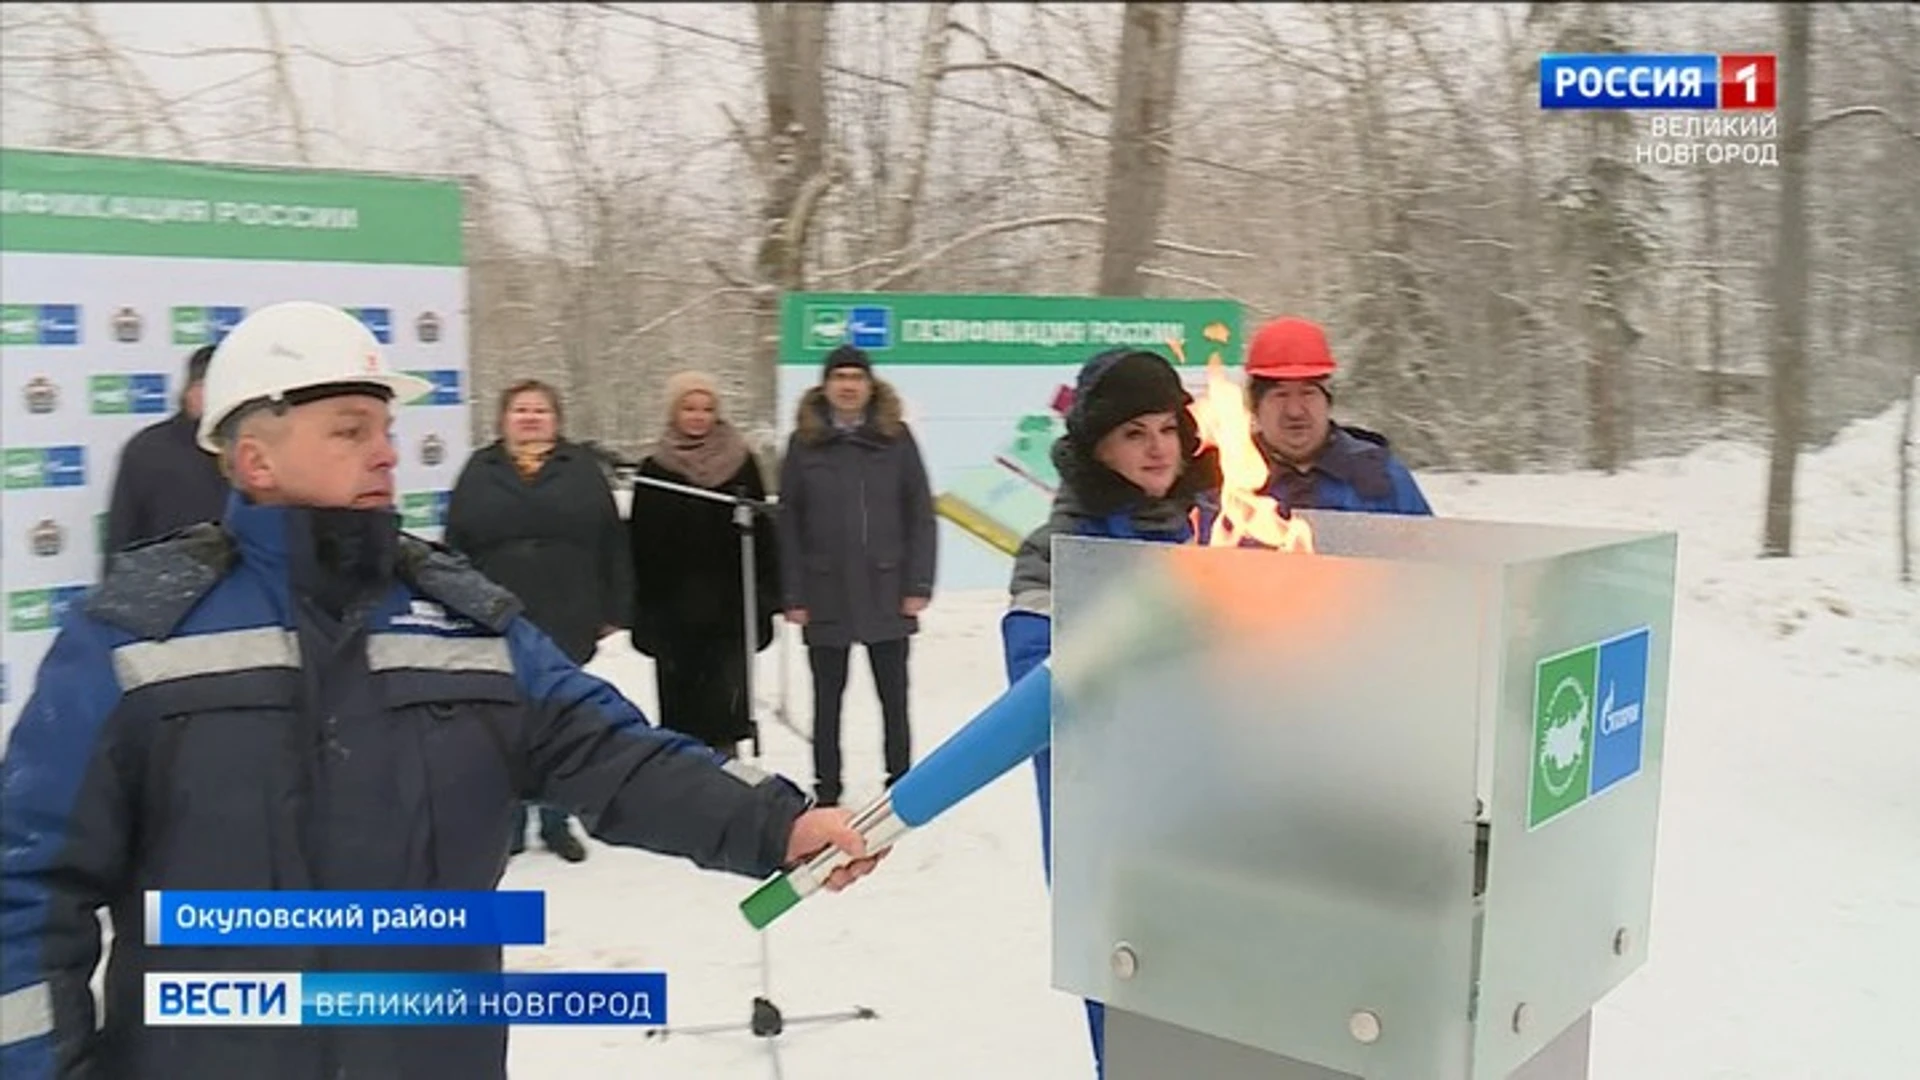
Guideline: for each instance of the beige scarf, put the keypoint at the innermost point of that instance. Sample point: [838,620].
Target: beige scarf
[710,460]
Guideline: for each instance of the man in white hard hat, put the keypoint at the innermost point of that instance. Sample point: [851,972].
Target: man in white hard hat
[302,697]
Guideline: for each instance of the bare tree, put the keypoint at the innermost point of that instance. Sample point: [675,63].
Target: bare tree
[795,173]
[1789,283]
[283,91]
[1486,270]
[1908,332]
[1604,207]
[897,215]
[1901,458]
[1145,86]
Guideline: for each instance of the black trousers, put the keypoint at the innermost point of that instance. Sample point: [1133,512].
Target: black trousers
[702,683]
[888,659]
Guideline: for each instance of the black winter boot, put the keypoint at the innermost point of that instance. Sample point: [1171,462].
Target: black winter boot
[564,844]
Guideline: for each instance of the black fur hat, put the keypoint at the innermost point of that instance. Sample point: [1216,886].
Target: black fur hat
[1116,386]
[1113,388]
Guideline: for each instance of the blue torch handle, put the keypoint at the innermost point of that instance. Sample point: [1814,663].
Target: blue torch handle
[1012,729]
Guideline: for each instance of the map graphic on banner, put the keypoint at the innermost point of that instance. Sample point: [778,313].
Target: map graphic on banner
[987,381]
[113,270]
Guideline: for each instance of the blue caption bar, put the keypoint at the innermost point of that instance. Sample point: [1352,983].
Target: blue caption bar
[1616,81]
[414,999]
[346,918]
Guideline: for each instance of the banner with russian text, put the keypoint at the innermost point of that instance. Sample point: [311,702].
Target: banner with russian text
[114,269]
[985,380]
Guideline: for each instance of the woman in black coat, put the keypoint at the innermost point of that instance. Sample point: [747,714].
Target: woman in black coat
[534,513]
[688,607]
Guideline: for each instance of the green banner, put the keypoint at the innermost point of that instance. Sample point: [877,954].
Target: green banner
[91,204]
[928,328]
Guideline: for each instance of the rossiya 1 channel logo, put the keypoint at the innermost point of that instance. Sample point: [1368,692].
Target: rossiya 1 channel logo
[1588,722]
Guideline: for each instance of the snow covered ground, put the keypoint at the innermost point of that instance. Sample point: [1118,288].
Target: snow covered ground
[1786,933]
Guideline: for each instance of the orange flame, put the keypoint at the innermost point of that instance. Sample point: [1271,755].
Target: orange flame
[1245,512]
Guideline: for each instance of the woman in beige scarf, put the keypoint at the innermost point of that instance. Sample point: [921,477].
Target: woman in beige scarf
[688,602]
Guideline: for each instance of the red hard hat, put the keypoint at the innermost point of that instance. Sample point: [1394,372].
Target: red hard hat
[1289,348]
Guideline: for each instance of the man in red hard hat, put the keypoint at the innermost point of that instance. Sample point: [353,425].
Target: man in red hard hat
[1317,464]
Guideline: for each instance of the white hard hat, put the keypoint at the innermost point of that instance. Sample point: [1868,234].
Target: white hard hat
[283,349]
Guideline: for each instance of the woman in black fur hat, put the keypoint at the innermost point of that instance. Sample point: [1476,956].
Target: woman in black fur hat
[1131,467]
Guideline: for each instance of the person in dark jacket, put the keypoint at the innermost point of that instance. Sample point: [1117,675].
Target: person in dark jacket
[858,544]
[1318,464]
[302,697]
[534,513]
[688,603]
[164,480]
[1131,467]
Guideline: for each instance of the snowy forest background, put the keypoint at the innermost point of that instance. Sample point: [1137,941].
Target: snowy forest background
[1508,289]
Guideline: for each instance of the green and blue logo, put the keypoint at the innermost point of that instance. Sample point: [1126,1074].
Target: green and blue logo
[45,467]
[379,320]
[424,509]
[39,324]
[865,326]
[1589,724]
[194,325]
[30,610]
[446,387]
[143,393]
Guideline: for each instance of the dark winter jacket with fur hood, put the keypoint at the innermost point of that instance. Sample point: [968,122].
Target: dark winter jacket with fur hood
[857,531]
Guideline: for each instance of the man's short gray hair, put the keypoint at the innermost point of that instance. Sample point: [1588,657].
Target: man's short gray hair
[227,432]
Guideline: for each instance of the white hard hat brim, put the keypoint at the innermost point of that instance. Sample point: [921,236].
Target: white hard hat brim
[402,386]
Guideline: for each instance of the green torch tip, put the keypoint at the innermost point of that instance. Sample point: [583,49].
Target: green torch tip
[769,902]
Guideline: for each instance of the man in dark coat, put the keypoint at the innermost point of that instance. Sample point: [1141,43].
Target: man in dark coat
[165,482]
[301,697]
[857,548]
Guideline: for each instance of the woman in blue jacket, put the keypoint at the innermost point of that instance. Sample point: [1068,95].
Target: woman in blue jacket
[1130,468]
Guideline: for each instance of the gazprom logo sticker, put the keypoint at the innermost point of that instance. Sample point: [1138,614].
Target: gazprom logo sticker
[40,324]
[870,327]
[424,509]
[30,610]
[142,393]
[195,325]
[379,320]
[46,467]
[1588,722]
[446,387]
[865,326]
[826,325]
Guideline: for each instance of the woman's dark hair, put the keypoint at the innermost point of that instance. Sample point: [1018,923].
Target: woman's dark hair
[525,386]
